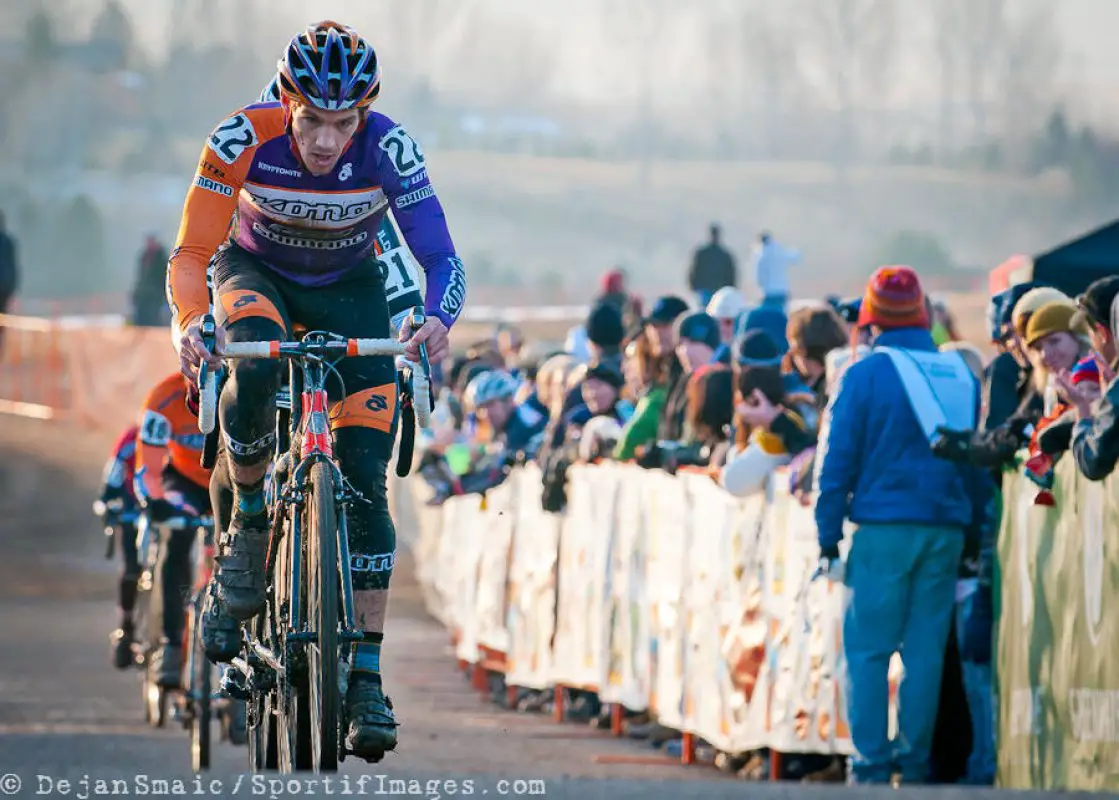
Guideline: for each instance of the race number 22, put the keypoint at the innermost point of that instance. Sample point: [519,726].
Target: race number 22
[230,139]
[407,157]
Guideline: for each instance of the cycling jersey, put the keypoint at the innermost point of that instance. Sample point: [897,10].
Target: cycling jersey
[311,230]
[121,466]
[168,436]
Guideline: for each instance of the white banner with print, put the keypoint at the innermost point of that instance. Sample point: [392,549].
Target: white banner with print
[658,592]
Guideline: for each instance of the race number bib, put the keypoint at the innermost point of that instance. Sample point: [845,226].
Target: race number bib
[232,137]
[397,266]
[403,151]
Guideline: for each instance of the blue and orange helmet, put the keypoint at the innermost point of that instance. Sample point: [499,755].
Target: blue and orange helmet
[329,67]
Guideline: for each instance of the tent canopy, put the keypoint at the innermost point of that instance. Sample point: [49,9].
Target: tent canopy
[1069,267]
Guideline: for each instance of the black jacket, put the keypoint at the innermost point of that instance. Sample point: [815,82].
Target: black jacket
[712,268]
[671,428]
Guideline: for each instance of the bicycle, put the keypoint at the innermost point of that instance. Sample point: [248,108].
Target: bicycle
[197,707]
[294,666]
[155,698]
[118,519]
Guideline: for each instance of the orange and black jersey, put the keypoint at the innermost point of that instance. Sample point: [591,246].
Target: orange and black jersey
[168,435]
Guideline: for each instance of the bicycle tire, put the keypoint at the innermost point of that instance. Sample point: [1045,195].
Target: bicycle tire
[199,694]
[263,746]
[322,612]
[293,726]
[149,601]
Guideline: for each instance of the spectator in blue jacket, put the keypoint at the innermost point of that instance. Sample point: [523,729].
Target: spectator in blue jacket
[913,512]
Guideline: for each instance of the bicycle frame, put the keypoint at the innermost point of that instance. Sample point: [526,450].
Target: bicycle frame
[308,375]
[277,647]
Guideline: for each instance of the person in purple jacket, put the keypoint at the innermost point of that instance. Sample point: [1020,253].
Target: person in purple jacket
[306,182]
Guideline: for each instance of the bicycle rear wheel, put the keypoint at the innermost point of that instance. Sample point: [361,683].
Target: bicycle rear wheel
[322,612]
[198,693]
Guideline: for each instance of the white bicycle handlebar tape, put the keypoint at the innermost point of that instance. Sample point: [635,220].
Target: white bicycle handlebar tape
[356,347]
[421,396]
[207,399]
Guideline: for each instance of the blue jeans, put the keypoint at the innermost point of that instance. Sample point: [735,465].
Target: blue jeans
[703,297]
[902,580]
[978,680]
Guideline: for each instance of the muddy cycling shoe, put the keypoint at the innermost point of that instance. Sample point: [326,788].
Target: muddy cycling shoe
[121,641]
[221,632]
[239,569]
[166,667]
[372,727]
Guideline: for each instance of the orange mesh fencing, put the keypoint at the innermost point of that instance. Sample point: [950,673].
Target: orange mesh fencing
[92,370]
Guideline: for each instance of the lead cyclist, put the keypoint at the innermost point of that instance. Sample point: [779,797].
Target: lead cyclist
[307,182]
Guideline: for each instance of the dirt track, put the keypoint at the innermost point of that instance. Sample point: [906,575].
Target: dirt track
[65,713]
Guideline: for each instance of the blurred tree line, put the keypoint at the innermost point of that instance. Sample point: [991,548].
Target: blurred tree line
[764,80]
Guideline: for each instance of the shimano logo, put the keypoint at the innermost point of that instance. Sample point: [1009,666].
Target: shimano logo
[291,240]
[412,198]
[291,173]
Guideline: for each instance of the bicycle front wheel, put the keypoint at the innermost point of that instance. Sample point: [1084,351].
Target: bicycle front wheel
[198,694]
[322,612]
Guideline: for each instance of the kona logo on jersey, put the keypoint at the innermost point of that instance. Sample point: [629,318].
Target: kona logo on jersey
[202,182]
[317,209]
[346,171]
[291,173]
[455,295]
[382,562]
[411,199]
[278,236]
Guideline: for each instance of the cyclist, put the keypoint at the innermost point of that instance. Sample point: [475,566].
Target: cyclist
[310,179]
[170,482]
[117,494]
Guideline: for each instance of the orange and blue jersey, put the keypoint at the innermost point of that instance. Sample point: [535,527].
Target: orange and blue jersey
[312,230]
[121,466]
[168,436]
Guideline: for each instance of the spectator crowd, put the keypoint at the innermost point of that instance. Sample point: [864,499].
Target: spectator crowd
[883,418]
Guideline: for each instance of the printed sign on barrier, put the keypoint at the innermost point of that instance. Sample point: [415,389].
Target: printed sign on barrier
[657,591]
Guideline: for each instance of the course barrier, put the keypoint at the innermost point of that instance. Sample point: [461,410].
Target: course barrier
[1058,634]
[95,371]
[658,592]
[663,593]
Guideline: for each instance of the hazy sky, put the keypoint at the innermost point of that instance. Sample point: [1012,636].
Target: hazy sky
[1090,60]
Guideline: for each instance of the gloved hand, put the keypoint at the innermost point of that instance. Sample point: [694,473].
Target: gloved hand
[160,510]
[651,457]
[952,445]
[978,629]
[112,494]
[830,565]
[1057,436]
